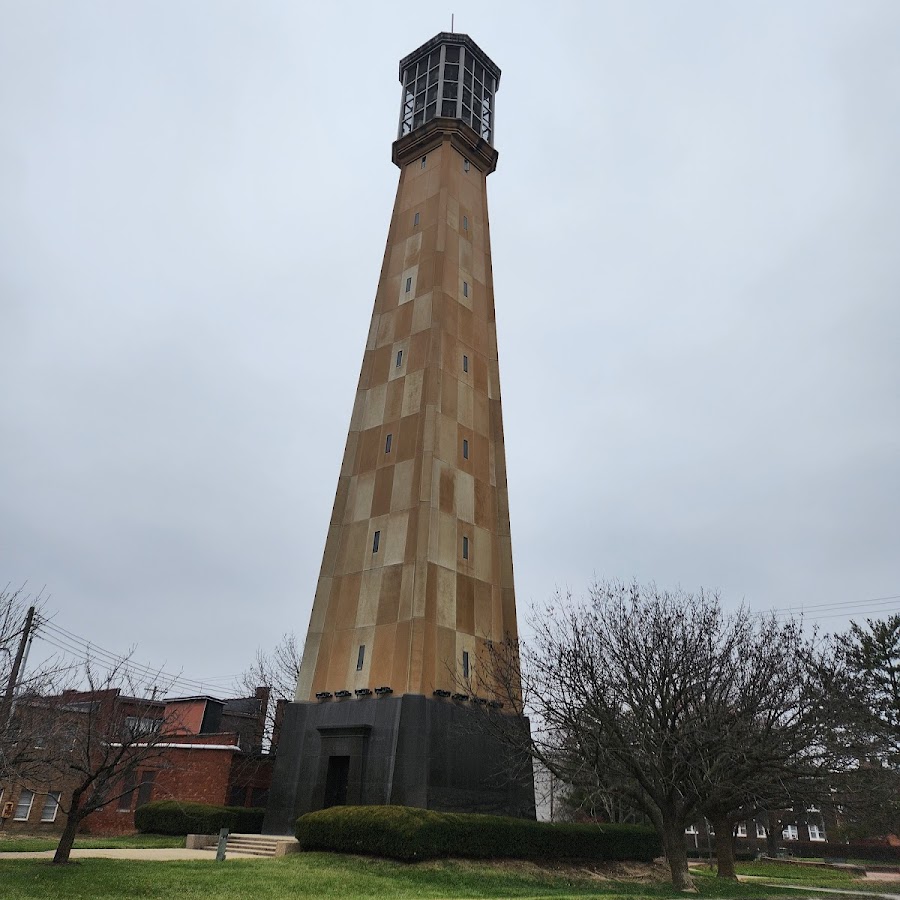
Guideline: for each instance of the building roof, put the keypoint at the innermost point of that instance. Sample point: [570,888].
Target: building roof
[451,37]
[243,706]
[194,698]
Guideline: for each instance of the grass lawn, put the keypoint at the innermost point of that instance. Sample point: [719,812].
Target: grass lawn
[815,877]
[330,875]
[89,842]
[797,874]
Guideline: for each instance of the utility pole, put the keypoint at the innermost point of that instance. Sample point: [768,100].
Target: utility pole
[16,666]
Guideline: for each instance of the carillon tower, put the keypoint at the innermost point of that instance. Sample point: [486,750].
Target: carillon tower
[417,572]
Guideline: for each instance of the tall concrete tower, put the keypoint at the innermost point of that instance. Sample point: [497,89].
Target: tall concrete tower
[417,572]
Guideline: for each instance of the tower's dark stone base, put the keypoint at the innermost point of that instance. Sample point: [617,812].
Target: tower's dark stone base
[408,751]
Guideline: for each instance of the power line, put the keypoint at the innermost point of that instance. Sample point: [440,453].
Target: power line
[842,613]
[86,649]
[152,669]
[109,665]
[836,605]
[71,643]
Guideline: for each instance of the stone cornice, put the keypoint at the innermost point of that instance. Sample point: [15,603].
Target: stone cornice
[432,134]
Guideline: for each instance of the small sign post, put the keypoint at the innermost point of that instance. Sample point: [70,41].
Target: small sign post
[223,841]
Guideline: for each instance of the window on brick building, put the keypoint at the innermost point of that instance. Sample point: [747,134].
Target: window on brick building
[465,663]
[360,657]
[376,540]
[465,363]
[790,833]
[465,223]
[465,165]
[465,547]
[138,725]
[465,289]
[145,791]
[51,807]
[416,220]
[409,284]
[399,359]
[465,449]
[23,807]
[387,443]
[128,783]
[423,161]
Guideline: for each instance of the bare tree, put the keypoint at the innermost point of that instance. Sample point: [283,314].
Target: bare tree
[94,740]
[655,697]
[19,681]
[277,669]
[769,726]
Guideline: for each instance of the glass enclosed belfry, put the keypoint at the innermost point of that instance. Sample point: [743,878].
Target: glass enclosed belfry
[451,77]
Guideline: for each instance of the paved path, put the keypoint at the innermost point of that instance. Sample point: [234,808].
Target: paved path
[817,890]
[166,854]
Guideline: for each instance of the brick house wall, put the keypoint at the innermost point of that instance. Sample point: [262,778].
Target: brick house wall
[215,768]
[194,768]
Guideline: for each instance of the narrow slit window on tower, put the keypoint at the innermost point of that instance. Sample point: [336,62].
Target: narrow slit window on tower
[376,541]
[465,289]
[465,363]
[465,663]
[360,657]
[465,449]
[387,447]
[465,165]
[416,220]
[409,284]
[399,359]
[423,161]
[465,223]
[465,547]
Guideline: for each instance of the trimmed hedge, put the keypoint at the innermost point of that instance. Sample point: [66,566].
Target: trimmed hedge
[247,819]
[739,855]
[407,833]
[857,850]
[175,817]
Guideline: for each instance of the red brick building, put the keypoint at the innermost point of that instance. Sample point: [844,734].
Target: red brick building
[211,753]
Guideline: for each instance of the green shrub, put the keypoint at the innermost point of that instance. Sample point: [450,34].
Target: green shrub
[406,833]
[247,819]
[176,817]
[855,850]
[739,855]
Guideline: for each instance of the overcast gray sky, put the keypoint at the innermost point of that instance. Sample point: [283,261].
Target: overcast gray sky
[695,224]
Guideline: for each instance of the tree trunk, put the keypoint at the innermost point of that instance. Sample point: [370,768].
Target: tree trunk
[67,839]
[724,848]
[676,856]
[774,825]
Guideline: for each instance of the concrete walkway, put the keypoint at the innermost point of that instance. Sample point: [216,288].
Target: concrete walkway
[753,879]
[167,854]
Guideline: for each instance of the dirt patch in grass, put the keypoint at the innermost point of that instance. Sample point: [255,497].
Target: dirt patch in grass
[635,872]
[875,875]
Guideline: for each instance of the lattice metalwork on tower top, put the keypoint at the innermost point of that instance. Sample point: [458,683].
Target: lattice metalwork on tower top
[452,77]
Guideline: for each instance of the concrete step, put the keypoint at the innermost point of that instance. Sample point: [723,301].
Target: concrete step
[261,844]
